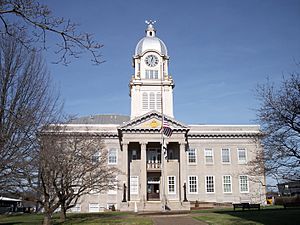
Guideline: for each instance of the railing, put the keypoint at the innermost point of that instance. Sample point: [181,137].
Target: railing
[151,164]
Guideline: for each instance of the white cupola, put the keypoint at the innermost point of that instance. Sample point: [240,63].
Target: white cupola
[151,86]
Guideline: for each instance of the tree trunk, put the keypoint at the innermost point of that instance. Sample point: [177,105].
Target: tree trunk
[63,213]
[47,219]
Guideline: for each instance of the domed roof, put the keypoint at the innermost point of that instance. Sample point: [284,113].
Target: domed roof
[151,42]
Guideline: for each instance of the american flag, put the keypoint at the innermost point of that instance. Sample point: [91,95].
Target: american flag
[166,129]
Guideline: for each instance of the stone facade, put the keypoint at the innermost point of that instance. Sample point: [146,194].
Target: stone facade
[204,163]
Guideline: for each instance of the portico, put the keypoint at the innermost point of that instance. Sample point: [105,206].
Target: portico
[144,153]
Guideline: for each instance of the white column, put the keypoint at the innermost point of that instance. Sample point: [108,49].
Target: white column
[182,169]
[125,167]
[143,179]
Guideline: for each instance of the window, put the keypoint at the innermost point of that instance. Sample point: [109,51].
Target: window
[242,155]
[225,155]
[134,184]
[244,184]
[94,207]
[145,100]
[158,101]
[96,157]
[171,185]
[152,100]
[112,156]
[151,74]
[192,155]
[208,154]
[193,185]
[76,189]
[227,184]
[210,184]
[76,208]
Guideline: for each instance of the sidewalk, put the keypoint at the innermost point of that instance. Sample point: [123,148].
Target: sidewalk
[184,219]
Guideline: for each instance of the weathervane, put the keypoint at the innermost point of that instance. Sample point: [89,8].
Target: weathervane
[150,22]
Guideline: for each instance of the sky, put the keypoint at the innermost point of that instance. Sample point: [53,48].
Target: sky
[219,52]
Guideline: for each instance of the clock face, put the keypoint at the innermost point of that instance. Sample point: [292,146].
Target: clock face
[151,60]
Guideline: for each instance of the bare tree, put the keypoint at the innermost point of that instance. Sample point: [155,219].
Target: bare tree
[38,21]
[72,165]
[26,103]
[279,115]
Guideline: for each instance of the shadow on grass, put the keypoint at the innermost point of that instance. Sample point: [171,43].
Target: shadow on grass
[72,218]
[79,218]
[277,216]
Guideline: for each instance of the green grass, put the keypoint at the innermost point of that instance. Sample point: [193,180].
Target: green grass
[109,218]
[266,216]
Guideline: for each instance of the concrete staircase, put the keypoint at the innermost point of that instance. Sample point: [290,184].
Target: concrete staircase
[154,206]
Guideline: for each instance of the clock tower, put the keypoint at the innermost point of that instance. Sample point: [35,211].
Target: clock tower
[151,86]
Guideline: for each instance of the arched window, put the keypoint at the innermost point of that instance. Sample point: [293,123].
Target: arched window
[145,100]
[152,100]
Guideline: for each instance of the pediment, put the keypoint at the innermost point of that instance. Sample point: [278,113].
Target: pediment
[152,121]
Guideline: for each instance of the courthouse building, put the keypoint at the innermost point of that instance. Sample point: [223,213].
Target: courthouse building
[204,163]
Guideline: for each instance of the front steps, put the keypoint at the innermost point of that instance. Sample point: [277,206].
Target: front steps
[154,206]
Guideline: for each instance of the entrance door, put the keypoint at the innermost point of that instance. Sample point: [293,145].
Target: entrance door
[153,192]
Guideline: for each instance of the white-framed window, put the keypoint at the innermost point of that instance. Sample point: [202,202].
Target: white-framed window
[242,155]
[244,183]
[145,101]
[94,207]
[134,185]
[209,156]
[171,185]
[192,156]
[96,157]
[210,184]
[112,156]
[76,208]
[193,185]
[225,154]
[227,184]
[151,74]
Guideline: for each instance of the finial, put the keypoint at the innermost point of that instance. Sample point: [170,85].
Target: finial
[150,31]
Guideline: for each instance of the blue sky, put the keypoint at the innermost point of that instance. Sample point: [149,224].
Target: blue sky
[219,52]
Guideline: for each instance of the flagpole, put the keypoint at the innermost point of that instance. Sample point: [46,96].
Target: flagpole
[162,143]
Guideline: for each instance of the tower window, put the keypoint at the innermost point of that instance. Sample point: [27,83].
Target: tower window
[152,101]
[151,74]
[145,100]
[158,101]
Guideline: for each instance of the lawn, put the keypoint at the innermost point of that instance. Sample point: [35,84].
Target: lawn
[266,216]
[110,218]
